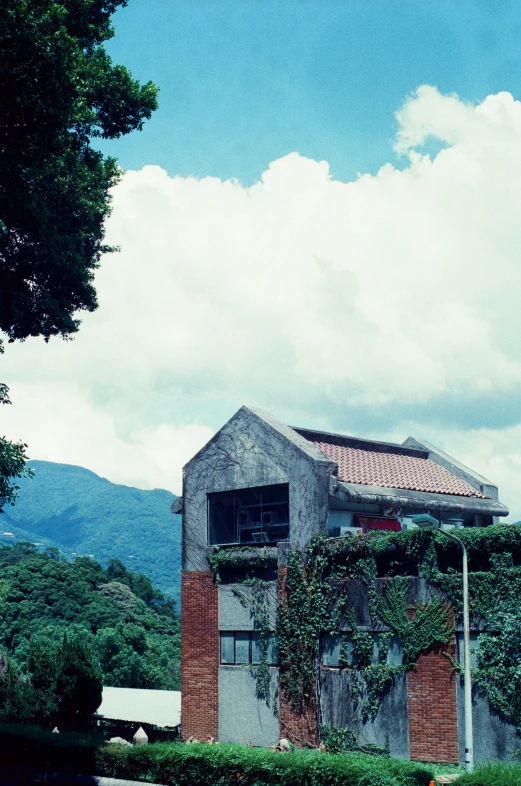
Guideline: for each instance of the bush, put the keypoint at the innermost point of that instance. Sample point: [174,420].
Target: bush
[493,774]
[177,764]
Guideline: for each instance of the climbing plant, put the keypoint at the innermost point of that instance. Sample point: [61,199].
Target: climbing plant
[257,601]
[313,601]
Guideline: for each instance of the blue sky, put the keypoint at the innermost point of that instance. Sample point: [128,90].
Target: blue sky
[245,82]
[321,219]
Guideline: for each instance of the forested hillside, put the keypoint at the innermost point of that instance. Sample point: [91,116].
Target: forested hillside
[130,627]
[80,513]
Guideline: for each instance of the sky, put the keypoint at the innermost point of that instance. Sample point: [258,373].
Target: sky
[321,219]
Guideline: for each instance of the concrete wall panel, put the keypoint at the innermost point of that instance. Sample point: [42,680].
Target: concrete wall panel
[390,726]
[493,738]
[235,611]
[242,716]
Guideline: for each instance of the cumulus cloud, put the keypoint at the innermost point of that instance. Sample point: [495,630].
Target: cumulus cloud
[300,291]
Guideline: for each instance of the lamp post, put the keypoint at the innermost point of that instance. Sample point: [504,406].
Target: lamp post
[424,521]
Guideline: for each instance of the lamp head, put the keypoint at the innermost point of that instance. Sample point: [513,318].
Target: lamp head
[424,521]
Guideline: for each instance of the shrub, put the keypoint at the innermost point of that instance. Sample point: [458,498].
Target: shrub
[493,774]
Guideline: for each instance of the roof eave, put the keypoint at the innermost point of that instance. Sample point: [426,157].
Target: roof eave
[412,500]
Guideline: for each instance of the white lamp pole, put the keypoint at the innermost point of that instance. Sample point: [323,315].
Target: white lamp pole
[429,522]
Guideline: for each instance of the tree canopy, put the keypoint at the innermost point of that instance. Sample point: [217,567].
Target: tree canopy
[130,628]
[59,90]
[12,462]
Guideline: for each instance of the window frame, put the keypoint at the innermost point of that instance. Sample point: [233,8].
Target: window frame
[251,634]
[259,536]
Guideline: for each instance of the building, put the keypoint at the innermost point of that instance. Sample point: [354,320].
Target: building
[141,706]
[260,487]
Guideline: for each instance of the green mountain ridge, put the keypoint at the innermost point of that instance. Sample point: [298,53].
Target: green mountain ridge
[80,513]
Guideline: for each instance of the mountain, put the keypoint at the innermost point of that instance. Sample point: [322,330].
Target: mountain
[80,513]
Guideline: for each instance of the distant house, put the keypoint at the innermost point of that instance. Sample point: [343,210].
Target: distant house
[260,484]
[137,705]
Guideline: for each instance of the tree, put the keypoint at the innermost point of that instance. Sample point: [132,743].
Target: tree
[78,684]
[12,462]
[59,90]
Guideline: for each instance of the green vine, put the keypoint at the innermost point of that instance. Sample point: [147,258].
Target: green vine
[244,564]
[306,611]
[313,601]
[258,604]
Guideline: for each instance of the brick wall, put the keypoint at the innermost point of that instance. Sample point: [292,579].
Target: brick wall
[300,729]
[199,655]
[431,695]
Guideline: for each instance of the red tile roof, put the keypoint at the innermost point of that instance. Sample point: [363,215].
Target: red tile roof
[391,470]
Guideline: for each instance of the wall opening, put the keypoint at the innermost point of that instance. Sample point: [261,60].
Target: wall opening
[257,515]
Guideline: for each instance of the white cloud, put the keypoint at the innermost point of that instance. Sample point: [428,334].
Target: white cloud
[388,291]
[63,425]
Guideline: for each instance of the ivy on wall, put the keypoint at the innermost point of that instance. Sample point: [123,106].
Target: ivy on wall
[313,601]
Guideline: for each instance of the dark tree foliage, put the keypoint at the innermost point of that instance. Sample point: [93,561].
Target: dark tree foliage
[59,89]
[78,684]
[12,462]
[131,629]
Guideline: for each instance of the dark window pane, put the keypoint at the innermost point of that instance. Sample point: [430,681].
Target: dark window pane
[256,648]
[227,648]
[254,515]
[331,650]
[242,648]
[273,655]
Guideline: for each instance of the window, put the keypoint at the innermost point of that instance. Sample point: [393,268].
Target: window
[331,652]
[241,647]
[257,515]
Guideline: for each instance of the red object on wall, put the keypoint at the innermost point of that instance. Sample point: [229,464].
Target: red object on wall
[369,523]
[431,696]
[199,655]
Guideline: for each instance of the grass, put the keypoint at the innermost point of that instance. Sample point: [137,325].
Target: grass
[493,774]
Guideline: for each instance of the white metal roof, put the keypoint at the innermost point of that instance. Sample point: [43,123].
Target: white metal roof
[157,707]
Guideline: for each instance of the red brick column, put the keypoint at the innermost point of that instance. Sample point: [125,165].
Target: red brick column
[431,695]
[301,729]
[199,655]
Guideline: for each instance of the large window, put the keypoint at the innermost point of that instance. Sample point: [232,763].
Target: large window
[257,515]
[241,647]
[385,650]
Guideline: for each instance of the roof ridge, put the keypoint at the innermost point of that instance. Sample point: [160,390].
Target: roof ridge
[359,443]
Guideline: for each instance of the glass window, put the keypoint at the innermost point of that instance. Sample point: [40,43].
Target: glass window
[256,648]
[242,648]
[256,515]
[273,653]
[227,648]
[331,650]
[394,652]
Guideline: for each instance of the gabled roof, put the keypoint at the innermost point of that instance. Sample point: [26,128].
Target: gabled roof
[388,465]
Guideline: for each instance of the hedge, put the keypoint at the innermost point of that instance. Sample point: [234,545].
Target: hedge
[177,764]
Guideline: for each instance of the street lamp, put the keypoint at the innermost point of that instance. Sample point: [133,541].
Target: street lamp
[424,521]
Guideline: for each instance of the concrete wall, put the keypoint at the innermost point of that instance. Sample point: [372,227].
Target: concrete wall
[235,609]
[253,449]
[493,738]
[242,716]
[390,726]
